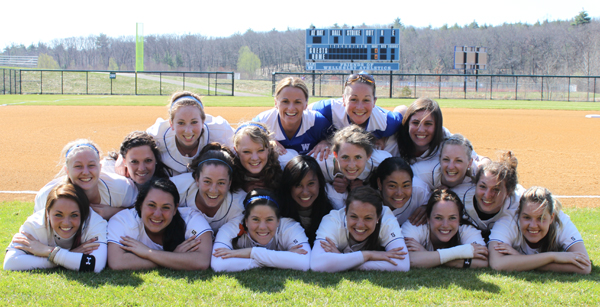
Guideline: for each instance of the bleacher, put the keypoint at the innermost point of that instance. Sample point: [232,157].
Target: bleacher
[18,61]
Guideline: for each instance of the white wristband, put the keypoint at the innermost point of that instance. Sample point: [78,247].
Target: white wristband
[464,251]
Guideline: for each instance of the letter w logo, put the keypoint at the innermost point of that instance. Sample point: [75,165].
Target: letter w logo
[305,147]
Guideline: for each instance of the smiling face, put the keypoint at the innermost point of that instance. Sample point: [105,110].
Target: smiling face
[359,102]
[396,189]
[351,160]
[361,220]
[421,128]
[64,217]
[443,221]
[306,191]
[83,168]
[290,103]
[140,163]
[157,211]
[253,155]
[213,184]
[534,222]
[454,163]
[262,224]
[187,124]
[490,194]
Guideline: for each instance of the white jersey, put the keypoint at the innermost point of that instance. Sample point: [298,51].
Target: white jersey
[232,206]
[507,231]
[328,169]
[276,254]
[420,196]
[466,193]
[129,223]
[35,225]
[468,234]
[215,129]
[334,227]
[433,179]
[115,191]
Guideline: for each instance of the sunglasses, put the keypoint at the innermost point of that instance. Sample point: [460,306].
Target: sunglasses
[363,77]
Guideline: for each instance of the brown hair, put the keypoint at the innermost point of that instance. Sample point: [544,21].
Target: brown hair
[76,194]
[182,99]
[543,197]
[292,82]
[407,148]
[504,170]
[354,135]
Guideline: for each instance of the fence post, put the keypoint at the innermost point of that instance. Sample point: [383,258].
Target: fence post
[135,84]
[160,83]
[273,83]
[542,91]
[491,86]
[216,83]
[516,87]
[232,83]
[313,83]
[594,89]
[415,87]
[439,87]
[569,91]
[41,82]
[391,84]
[62,92]
[184,83]
[208,86]
[86,82]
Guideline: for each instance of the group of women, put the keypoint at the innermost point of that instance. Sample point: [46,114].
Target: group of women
[336,185]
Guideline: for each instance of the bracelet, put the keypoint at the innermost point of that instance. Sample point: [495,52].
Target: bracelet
[467,263]
[50,253]
[53,253]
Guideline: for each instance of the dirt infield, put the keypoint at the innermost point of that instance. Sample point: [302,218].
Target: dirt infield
[556,149]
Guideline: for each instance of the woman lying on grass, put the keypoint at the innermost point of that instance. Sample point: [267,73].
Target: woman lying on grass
[67,233]
[540,236]
[261,238]
[364,235]
[157,234]
[447,238]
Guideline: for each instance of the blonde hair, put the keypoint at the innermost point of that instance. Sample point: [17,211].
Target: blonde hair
[354,135]
[182,99]
[74,147]
[504,170]
[292,82]
[551,206]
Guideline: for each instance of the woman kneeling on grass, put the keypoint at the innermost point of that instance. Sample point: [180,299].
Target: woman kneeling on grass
[364,235]
[261,238]
[540,236]
[157,234]
[447,238]
[67,233]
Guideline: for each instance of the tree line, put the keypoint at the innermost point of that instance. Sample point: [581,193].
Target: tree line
[569,47]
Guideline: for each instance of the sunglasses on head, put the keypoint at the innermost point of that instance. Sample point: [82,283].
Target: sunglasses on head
[363,77]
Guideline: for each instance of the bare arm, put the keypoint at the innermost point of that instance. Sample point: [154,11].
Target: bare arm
[106,211]
[504,258]
[119,259]
[195,258]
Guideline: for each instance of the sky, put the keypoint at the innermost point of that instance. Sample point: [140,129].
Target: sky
[33,21]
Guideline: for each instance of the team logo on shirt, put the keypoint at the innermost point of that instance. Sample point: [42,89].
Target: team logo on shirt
[295,241]
[305,147]
[393,235]
[194,232]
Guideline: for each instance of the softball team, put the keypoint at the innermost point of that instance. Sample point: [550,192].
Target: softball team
[299,187]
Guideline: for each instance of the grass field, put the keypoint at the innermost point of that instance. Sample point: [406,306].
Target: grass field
[266,101]
[439,286]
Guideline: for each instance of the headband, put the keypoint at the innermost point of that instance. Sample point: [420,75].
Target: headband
[260,197]
[251,124]
[215,159]
[187,97]
[82,145]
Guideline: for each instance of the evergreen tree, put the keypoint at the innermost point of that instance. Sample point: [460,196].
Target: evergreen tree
[581,19]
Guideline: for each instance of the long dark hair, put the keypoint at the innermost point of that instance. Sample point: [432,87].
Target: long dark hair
[174,233]
[295,170]
[76,194]
[386,168]
[369,195]
[405,143]
[439,195]
[138,139]
[254,198]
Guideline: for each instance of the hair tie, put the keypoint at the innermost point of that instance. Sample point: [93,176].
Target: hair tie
[187,97]
[215,159]
[82,145]
[251,124]
[260,197]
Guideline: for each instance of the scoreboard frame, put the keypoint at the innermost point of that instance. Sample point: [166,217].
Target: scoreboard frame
[352,45]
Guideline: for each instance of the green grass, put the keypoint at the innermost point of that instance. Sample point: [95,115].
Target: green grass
[267,101]
[439,286]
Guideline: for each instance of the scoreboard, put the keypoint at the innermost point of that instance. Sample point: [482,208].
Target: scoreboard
[352,45]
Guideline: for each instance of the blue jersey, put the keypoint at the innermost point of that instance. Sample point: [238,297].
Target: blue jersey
[382,123]
[313,128]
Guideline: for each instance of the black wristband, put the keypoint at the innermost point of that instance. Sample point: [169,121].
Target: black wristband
[87,264]
[467,263]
